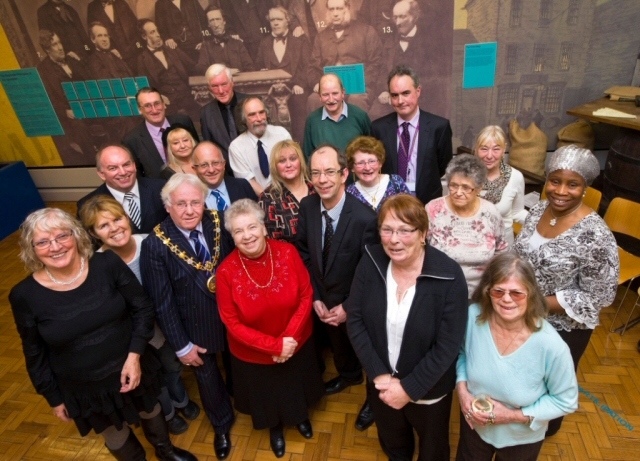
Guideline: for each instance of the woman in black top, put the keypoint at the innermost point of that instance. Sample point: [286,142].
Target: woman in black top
[84,321]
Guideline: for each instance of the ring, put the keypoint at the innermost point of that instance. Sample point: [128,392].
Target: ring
[492,418]
[188,364]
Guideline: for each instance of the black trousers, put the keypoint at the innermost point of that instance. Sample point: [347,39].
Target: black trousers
[344,357]
[395,428]
[577,340]
[214,395]
[471,447]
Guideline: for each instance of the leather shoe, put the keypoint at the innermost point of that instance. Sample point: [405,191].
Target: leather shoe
[190,411]
[365,417]
[177,425]
[305,429]
[276,439]
[340,383]
[222,445]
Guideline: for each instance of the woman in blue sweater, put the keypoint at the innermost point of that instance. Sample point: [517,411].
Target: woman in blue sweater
[515,373]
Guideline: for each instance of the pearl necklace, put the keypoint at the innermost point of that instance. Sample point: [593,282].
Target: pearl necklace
[553,221]
[59,282]
[250,278]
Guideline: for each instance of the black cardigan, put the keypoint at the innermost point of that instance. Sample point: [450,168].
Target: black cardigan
[435,326]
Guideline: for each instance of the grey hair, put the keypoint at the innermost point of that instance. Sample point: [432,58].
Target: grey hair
[242,207]
[216,69]
[400,71]
[469,166]
[178,180]
[47,220]
[282,9]
[243,104]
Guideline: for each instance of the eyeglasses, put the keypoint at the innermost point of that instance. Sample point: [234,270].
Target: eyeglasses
[154,105]
[206,165]
[497,293]
[402,233]
[453,187]
[193,204]
[364,163]
[60,240]
[328,173]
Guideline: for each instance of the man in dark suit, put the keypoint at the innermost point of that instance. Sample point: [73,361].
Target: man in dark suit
[145,141]
[181,25]
[209,164]
[217,118]
[178,264]
[283,50]
[333,229]
[249,19]
[221,47]
[64,21]
[121,24]
[167,69]
[418,143]
[117,169]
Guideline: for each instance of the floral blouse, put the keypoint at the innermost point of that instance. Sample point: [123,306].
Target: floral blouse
[580,266]
[281,213]
[395,186]
[472,241]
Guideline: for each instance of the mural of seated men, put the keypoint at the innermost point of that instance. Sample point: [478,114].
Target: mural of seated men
[283,50]
[346,41]
[75,147]
[181,23]
[63,20]
[167,70]
[221,47]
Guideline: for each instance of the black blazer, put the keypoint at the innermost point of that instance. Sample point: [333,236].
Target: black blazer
[214,129]
[239,188]
[356,228]
[434,151]
[295,60]
[185,308]
[435,326]
[145,152]
[123,31]
[152,210]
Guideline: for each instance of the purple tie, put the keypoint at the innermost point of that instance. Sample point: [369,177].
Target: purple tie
[403,152]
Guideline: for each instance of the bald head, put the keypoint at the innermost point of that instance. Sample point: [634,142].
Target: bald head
[209,164]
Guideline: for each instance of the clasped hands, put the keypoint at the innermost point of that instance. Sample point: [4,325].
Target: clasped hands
[288,348]
[501,414]
[391,391]
[334,316]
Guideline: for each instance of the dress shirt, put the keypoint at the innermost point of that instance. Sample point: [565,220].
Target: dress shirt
[412,168]
[119,196]
[280,46]
[212,201]
[334,213]
[159,54]
[108,9]
[397,313]
[243,153]
[404,44]
[156,136]
[343,114]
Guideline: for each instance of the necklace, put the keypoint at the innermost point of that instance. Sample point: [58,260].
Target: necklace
[512,339]
[59,282]
[553,221]
[249,275]
[367,191]
[208,266]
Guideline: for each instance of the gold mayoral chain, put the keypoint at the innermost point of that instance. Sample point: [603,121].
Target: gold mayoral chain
[208,266]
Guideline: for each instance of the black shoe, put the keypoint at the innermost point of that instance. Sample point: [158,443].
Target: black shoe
[276,439]
[340,383]
[157,433]
[365,417]
[305,429]
[177,425]
[222,445]
[191,411]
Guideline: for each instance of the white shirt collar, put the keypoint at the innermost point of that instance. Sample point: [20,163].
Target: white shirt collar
[119,196]
[343,114]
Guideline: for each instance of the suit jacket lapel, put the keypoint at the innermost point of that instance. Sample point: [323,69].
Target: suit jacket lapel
[219,125]
[315,224]
[149,145]
[145,202]
[343,225]
[393,141]
[232,189]
[178,238]
[423,137]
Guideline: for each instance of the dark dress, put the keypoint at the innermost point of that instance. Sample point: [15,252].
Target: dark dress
[76,342]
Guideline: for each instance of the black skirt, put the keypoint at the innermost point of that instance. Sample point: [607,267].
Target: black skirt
[278,393]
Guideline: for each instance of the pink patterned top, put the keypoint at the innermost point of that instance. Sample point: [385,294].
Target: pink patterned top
[472,241]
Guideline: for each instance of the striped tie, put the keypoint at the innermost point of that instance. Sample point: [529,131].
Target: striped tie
[132,209]
[201,250]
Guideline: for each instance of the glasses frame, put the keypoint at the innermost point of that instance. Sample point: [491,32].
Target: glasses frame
[60,240]
[461,187]
[515,295]
[331,173]
[207,165]
[402,233]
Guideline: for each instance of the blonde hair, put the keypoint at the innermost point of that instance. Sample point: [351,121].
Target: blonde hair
[277,182]
[48,220]
[171,158]
[491,132]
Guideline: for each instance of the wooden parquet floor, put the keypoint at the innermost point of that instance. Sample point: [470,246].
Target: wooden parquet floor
[606,426]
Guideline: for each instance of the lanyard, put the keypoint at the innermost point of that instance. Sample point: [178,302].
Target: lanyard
[411,146]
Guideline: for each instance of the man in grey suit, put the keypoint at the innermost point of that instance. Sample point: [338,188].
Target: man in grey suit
[217,119]
[145,140]
[178,264]
[209,164]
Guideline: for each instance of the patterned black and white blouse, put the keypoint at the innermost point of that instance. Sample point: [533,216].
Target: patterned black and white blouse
[580,266]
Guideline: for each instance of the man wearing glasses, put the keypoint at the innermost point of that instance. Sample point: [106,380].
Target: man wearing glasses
[145,140]
[333,229]
[209,164]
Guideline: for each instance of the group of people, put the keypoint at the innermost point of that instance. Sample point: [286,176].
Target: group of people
[250,246]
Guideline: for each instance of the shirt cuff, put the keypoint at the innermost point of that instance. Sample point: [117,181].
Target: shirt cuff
[185,350]
[570,312]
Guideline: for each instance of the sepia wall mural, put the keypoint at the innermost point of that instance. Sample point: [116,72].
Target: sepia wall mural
[552,55]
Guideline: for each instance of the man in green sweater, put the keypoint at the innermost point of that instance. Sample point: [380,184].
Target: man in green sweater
[336,122]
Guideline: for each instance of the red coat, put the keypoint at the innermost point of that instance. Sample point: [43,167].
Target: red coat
[258,318]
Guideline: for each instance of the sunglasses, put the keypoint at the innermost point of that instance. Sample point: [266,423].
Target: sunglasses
[497,293]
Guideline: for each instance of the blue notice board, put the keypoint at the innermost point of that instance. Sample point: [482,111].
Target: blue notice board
[352,77]
[479,65]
